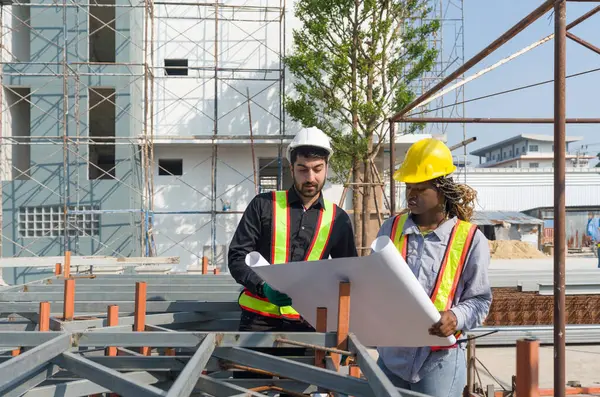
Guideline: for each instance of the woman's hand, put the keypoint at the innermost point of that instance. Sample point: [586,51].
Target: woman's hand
[446,326]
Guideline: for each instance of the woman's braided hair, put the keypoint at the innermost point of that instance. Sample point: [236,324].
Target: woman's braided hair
[459,198]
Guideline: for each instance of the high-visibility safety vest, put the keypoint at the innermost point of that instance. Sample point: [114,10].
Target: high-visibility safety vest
[280,252]
[452,266]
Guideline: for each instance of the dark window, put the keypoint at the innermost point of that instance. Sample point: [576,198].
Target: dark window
[176,67]
[170,167]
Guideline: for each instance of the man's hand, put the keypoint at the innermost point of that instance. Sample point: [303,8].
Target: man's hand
[276,297]
[446,326]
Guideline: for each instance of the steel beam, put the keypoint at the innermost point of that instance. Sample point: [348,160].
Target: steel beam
[288,384]
[86,387]
[20,326]
[151,319]
[216,296]
[508,35]
[185,382]
[26,339]
[218,387]
[379,382]
[23,366]
[192,339]
[109,378]
[96,261]
[305,373]
[125,306]
[33,379]
[160,363]
[571,289]
[158,278]
[160,288]
[507,336]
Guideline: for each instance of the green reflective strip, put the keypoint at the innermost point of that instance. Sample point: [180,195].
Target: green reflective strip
[258,305]
[280,228]
[322,237]
[289,311]
[453,264]
[399,238]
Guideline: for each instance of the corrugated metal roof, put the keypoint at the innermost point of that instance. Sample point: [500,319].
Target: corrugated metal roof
[498,217]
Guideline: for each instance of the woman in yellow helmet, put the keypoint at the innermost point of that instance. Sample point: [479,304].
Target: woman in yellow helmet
[450,258]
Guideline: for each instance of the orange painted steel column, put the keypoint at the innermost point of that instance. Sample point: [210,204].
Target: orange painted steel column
[528,352]
[169,351]
[321,326]
[69,300]
[217,270]
[44,317]
[204,265]
[67,266]
[343,321]
[58,269]
[139,321]
[354,370]
[113,320]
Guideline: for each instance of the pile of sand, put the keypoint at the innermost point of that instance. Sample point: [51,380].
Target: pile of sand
[514,249]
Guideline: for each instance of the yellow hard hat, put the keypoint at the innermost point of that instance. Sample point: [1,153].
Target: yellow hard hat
[425,160]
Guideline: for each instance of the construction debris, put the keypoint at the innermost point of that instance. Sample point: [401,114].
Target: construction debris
[514,249]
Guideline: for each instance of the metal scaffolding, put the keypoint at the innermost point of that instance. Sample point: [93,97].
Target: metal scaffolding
[79,78]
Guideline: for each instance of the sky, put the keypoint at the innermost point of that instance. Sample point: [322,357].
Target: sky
[486,20]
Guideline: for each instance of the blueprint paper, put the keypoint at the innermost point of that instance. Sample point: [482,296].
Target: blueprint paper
[388,306]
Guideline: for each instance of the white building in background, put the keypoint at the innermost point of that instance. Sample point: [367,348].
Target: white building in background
[205,84]
[528,151]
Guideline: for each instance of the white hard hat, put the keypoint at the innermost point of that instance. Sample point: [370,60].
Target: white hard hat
[311,136]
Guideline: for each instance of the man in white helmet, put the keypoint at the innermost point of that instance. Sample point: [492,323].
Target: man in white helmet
[297,224]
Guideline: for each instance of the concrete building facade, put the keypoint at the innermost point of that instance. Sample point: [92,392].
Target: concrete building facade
[67,75]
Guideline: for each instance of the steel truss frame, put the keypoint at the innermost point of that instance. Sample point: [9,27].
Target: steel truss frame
[149,344]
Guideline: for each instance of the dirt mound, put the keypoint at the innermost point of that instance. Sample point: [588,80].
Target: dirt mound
[514,249]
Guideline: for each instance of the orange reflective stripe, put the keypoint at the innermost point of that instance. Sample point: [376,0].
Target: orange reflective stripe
[280,244]
[323,231]
[398,237]
[452,265]
[281,232]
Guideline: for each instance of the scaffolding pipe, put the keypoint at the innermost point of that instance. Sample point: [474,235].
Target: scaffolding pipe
[508,35]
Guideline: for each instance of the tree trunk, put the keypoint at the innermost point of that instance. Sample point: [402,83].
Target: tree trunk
[357,201]
[366,207]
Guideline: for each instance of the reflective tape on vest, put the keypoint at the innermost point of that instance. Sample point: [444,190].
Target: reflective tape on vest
[280,244]
[452,265]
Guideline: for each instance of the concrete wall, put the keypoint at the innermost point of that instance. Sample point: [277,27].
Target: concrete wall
[51,184]
[247,48]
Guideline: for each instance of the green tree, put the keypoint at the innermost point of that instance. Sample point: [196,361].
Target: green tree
[353,62]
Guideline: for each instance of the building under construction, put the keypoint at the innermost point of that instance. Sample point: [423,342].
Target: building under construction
[145,128]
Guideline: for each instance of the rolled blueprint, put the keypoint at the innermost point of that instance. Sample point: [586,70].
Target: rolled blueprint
[388,306]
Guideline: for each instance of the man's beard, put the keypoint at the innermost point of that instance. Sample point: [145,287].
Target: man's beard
[308,189]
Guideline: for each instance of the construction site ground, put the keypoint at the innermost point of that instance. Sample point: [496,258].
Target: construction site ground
[581,365]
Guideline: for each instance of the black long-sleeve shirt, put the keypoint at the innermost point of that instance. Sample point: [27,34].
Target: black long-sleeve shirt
[254,234]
